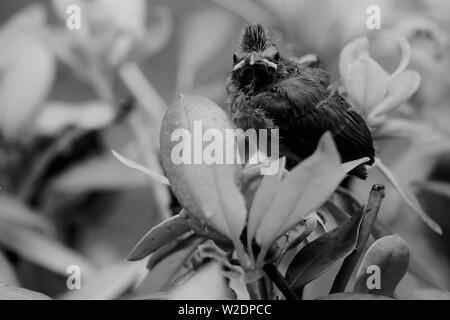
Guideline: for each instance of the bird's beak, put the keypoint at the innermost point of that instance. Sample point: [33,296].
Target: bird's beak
[255,59]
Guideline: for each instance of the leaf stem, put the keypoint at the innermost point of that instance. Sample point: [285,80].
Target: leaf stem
[281,283]
[369,216]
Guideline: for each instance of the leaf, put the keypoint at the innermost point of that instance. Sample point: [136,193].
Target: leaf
[431,294]
[321,254]
[130,163]
[304,189]
[14,293]
[350,165]
[436,187]
[26,66]
[169,248]
[207,191]
[13,212]
[57,116]
[263,199]
[160,235]
[409,198]
[391,255]
[98,173]
[159,33]
[353,296]
[163,274]
[406,56]
[351,52]
[200,45]
[401,88]
[108,283]
[206,284]
[366,82]
[42,250]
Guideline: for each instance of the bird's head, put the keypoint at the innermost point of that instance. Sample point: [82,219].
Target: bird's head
[257,59]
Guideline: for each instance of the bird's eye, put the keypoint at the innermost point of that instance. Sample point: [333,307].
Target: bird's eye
[235,58]
[276,56]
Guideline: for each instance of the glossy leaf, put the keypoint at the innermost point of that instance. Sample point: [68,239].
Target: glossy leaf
[303,190]
[160,235]
[320,255]
[207,191]
[263,199]
[391,255]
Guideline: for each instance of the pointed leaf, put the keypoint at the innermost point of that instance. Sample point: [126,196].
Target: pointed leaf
[407,195]
[391,255]
[160,235]
[132,164]
[321,254]
[263,199]
[304,189]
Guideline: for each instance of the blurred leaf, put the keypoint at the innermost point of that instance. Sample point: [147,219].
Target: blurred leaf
[134,165]
[108,283]
[366,82]
[321,254]
[436,187]
[57,116]
[16,213]
[98,173]
[353,296]
[391,255]
[401,88]
[42,250]
[7,274]
[351,52]
[163,274]
[263,199]
[304,189]
[408,196]
[26,66]
[431,294]
[199,44]
[13,293]
[160,235]
[207,191]
[206,284]
[158,33]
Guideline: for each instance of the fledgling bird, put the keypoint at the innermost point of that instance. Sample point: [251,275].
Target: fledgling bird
[267,90]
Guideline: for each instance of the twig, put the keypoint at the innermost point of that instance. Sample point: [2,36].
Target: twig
[369,216]
[28,186]
[281,283]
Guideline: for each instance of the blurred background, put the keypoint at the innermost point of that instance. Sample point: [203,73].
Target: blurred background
[69,96]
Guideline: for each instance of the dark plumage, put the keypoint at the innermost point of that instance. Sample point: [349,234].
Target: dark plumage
[267,90]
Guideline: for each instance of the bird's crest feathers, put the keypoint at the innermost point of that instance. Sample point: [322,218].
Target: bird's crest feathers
[255,38]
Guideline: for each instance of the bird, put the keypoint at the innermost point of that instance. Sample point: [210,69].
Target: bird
[269,90]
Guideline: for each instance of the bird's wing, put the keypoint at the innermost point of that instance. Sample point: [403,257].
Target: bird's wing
[303,111]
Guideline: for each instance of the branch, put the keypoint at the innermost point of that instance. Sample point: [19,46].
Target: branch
[281,283]
[369,216]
